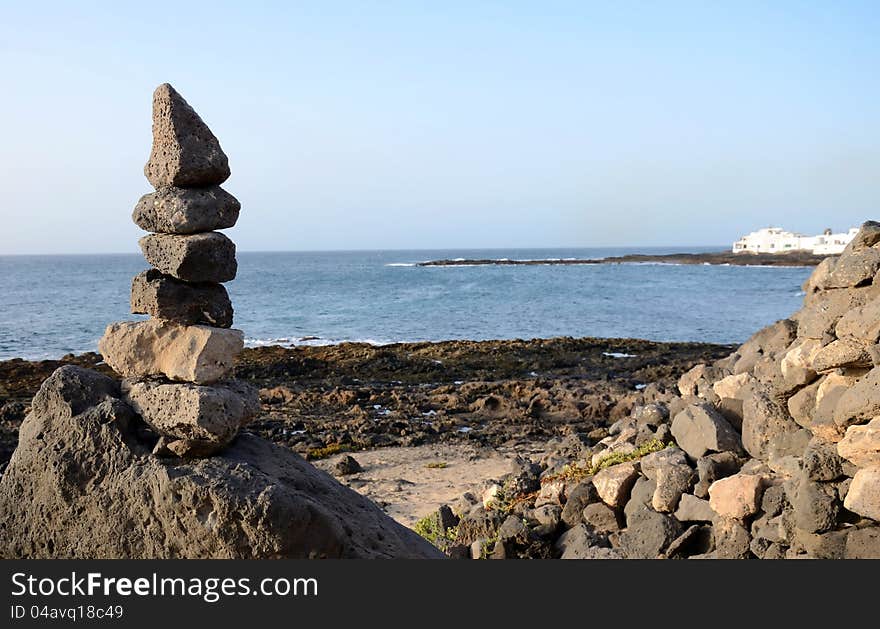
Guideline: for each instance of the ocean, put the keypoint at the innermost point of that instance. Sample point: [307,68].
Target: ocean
[55,305]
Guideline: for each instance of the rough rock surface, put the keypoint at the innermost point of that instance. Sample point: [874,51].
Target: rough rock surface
[182,410]
[186,210]
[863,496]
[164,297]
[83,484]
[613,483]
[700,429]
[861,444]
[192,353]
[205,257]
[185,152]
[736,496]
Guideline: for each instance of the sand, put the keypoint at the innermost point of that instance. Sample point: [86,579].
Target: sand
[400,481]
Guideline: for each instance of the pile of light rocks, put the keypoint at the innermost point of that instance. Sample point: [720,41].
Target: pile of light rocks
[178,364]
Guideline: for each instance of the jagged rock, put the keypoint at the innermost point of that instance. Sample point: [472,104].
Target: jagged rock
[713,467]
[802,405]
[797,365]
[163,297]
[577,499]
[730,386]
[821,460]
[765,549]
[640,498]
[82,485]
[648,534]
[785,451]
[773,501]
[736,497]
[651,415]
[815,505]
[769,528]
[548,518]
[763,419]
[844,352]
[863,496]
[193,353]
[822,311]
[860,401]
[689,382]
[861,444]
[854,268]
[601,518]
[669,469]
[863,544]
[820,275]
[208,414]
[513,530]
[477,524]
[696,540]
[186,210]
[867,236]
[613,484]
[693,509]
[767,342]
[699,429]
[862,323]
[348,465]
[731,539]
[207,257]
[672,482]
[830,545]
[185,152]
[581,543]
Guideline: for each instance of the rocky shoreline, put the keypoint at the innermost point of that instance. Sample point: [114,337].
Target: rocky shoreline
[322,400]
[725,258]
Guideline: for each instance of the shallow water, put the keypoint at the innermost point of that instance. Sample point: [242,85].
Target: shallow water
[53,305]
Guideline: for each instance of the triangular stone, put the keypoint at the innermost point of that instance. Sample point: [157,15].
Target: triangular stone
[185,153]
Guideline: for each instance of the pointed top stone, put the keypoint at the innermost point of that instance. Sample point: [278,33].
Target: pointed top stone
[185,153]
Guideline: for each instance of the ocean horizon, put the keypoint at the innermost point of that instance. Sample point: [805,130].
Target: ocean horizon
[56,304]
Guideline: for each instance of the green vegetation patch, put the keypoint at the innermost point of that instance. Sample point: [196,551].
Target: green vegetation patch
[429,528]
[576,472]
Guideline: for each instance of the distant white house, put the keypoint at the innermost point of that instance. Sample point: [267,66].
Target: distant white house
[777,240]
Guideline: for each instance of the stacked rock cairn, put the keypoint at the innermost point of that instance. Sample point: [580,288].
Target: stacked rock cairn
[177,366]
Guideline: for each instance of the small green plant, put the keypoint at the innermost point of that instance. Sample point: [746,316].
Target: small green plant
[437,465]
[487,546]
[429,528]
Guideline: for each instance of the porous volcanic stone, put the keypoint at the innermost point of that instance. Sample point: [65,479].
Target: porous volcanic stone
[192,353]
[186,210]
[860,401]
[863,496]
[613,483]
[164,297]
[208,257]
[699,429]
[194,412]
[861,444]
[185,152]
[736,496]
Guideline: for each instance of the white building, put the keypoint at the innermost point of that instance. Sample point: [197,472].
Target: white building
[776,240]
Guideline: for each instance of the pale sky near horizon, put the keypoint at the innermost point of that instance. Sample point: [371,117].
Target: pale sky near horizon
[404,125]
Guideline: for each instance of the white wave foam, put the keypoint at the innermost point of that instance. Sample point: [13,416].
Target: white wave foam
[401,264]
[310,341]
[619,355]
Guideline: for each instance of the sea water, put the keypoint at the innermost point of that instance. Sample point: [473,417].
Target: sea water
[54,305]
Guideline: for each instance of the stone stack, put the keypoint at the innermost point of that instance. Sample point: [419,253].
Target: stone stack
[178,364]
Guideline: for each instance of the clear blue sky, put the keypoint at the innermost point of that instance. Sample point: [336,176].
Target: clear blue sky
[448,124]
